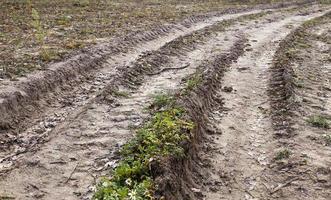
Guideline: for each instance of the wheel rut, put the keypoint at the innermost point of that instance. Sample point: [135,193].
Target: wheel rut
[106,58]
[63,104]
[304,137]
[83,146]
[244,149]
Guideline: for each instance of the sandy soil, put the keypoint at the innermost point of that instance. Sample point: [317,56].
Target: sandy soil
[60,151]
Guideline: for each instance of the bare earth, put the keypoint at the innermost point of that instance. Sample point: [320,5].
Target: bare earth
[246,147]
[69,137]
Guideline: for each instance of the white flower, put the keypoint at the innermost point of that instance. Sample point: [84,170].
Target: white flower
[128,181]
[133,195]
[105,184]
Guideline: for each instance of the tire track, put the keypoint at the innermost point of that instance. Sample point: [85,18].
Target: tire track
[305,138]
[30,96]
[62,104]
[242,153]
[16,98]
[78,149]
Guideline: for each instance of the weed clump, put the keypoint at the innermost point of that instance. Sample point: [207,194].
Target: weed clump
[193,82]
[319,121]
[161,136]
[162,100]
[38,27]
[283,154]
[48,55]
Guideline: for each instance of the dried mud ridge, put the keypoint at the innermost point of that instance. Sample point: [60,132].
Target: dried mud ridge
[104,119]
[283,84]
[282,87]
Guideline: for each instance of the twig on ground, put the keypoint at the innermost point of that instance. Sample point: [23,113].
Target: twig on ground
[73,171]
[167,69]
[276,189]
[250,194]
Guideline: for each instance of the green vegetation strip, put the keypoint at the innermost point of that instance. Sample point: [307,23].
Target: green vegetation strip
[159,137]
[165,134]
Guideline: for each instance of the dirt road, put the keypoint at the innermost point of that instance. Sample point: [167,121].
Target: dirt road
[245,148]
[63,149]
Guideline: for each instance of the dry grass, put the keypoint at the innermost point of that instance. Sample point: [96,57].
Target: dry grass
[36,32]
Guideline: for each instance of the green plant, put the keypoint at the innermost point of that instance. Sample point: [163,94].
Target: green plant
[193,82]
[37,26]
[47,55]
[74,44]
[2,35]
[319,121]
[283,154]
[161,136]
[6,197]
[299,83]
[81,3]
[161,100]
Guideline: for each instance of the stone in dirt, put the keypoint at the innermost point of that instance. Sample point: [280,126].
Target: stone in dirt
[228,89]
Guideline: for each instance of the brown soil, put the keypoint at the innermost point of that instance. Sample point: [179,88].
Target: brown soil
[238,157]
[62,128]
[309,95]
[245,149]
[102,121]
[34,33]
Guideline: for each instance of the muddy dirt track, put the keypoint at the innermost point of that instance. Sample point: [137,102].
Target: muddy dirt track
[67,138]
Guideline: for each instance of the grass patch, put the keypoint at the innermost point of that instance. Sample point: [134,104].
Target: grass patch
[161,136]
[48,55]
[63,20]
[81,3]
[253,16]
[283,154]
[51,23]
[193,82]
[319,121]
[37,25]
[162,100]
[74,44]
